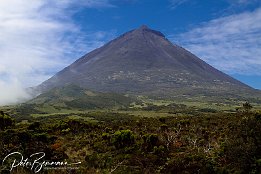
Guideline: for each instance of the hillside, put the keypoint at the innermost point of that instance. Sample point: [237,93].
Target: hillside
[72,98]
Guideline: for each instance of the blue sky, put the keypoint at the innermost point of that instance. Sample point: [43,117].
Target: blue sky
[40,38]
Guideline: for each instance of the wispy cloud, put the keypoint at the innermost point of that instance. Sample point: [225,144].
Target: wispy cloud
[175,3]
[237,6]
[38,38]
[243,2]
[231,43]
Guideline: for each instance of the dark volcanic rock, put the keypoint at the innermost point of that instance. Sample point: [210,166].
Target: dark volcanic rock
[143,61]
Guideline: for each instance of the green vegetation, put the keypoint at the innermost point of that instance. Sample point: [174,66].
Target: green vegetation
[5,121]
[247,106]
[185,140]
[74,97]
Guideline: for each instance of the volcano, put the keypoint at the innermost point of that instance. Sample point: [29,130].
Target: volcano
[143,61]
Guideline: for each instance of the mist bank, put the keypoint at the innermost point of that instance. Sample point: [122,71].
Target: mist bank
[13,93]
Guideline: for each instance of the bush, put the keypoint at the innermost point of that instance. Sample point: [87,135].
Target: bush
[150,140]
[247,106]
[34,126]
[123,138]
[5,121]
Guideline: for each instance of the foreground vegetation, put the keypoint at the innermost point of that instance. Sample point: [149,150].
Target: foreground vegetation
[192,141]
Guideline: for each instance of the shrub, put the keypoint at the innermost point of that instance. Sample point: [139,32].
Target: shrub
[5,121]
[34,126]
[123,138]
[164,127]
[150,140]
[247,106]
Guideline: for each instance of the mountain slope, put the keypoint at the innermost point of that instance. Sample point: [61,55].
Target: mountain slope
[143,61]
[74,97]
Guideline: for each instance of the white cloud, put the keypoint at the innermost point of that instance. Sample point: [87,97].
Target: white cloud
[38,38]
[175,3]
[243,2]
[232,43]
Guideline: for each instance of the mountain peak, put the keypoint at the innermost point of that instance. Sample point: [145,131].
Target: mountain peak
[146,29]
[143,27]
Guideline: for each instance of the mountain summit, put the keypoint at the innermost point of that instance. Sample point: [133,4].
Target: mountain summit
[143,61]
